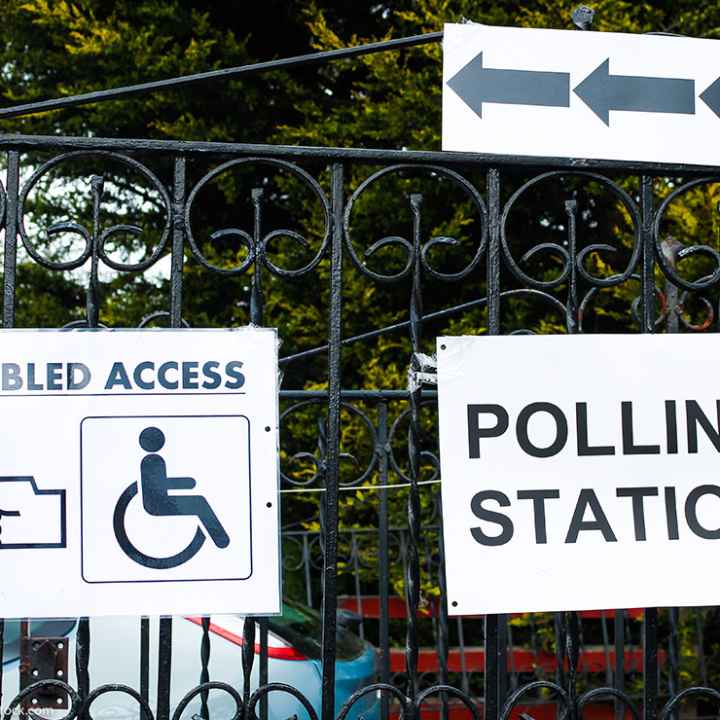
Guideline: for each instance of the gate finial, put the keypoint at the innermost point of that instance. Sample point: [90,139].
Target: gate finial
[582,17]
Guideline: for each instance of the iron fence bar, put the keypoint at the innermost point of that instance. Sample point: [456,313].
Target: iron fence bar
[384,561]
[606,648]
[619,679]
[443,639]
[11,234]
[413,577]
[465,680]
[332,455]
[650,621]
[145,658]
[164,668]
[257,306]
[515,163]
[247,660]
[650,664]
[571,317]
[204,666]
[178,241]
[256,292]
[572,651]
[501,658]
[263,665]
[82,659]
[674,657]
[700,646]
[223,74]
[492,639]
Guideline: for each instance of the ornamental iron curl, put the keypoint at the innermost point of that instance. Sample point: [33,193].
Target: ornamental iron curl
[669,255]
[416,251]
[95,239]
[577,261]
[256,244]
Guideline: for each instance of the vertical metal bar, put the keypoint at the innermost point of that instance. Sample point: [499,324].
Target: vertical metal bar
[384,570]
[571,319]
[700,644]
[164,668]
[606,648]
[501,654]
[647,276]
[11,233]
[248,659]
[619,661]
[412,578]
[650,665]
[145,658]
[463,660]
[256,292]
[674,657]
[493,253]
[176,269]
[329,604]
[442,614]
[257,306]
[492,708]
[204,663]
[492,667]
[178,240]
[92,296]
[82,659]
[573,655]
[24,658]
[263,625]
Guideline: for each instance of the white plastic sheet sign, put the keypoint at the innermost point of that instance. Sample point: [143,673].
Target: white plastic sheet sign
[569,94]
[578,470]
[139,472]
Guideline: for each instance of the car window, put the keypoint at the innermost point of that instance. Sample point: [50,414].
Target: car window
[302,628]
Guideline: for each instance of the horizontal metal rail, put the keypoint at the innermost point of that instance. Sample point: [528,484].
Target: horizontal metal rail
[213,75]
[516,163]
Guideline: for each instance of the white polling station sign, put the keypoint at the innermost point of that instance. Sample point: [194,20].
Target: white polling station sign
[138,472]
[570,94]
[577,469]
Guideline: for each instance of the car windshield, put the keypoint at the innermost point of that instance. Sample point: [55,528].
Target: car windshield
[302,628]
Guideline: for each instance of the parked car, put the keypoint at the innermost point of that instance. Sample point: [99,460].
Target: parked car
[293,658]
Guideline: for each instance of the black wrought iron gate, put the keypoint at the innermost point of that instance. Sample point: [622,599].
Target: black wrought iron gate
[557,274]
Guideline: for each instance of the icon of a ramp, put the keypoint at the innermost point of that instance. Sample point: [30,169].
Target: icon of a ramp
[31,518]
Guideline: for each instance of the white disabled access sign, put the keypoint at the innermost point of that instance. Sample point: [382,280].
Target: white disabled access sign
[138,472]
[578,470]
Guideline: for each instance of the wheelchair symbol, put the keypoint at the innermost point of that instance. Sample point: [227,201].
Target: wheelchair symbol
[156,501]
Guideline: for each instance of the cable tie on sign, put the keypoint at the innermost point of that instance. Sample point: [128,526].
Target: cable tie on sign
[361,487]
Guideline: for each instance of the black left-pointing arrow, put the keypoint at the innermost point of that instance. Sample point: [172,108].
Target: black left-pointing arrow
[475,85]
[603,92]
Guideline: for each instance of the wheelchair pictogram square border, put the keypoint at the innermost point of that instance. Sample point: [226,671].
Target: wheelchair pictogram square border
[173,580]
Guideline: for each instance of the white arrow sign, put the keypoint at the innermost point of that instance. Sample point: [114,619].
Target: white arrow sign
[560,93]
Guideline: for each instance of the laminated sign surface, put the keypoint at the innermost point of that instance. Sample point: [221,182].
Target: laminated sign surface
[569,94]
[578,470]
[138,473]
